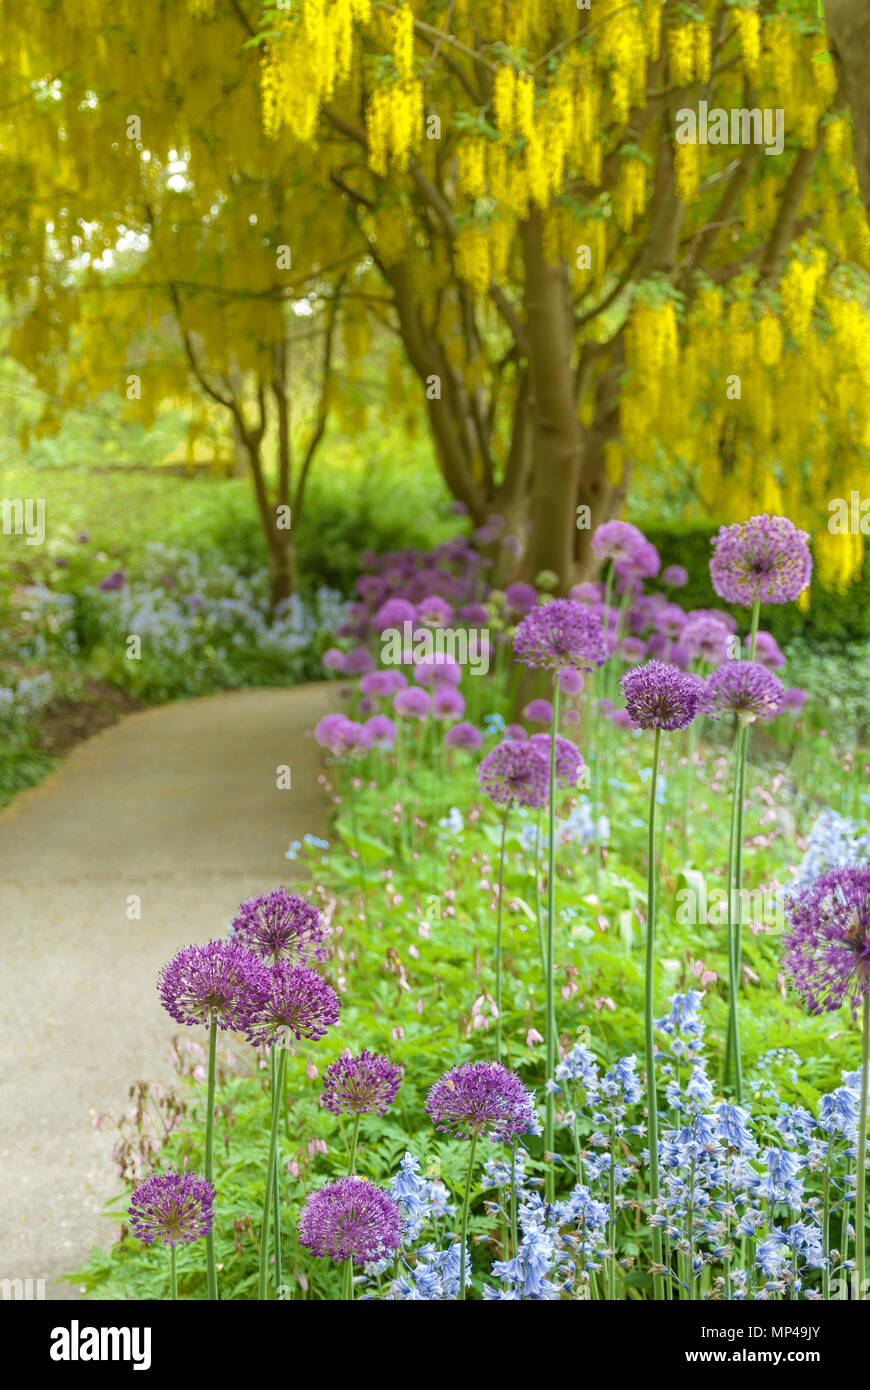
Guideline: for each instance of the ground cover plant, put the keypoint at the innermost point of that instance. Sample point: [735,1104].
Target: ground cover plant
[569,1007]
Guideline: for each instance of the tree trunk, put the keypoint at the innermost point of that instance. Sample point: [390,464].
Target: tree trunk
[556,433]
[848,25]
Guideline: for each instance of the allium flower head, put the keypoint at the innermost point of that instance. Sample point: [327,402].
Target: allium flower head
[568,759]
[220,982]
[280,926]
[298,1004]
[827,948]
[560,634]
[745,689]
[481,1098]
[514,772]
[658,696]
[463,735]
[618,541]
[350,1220]
[706,638]
[363,1085]
[174,1208]
[765,558]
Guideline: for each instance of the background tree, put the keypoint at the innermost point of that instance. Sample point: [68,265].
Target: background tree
[588,303]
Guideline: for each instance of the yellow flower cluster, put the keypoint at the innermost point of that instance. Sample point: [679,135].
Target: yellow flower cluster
[629,199]
[473,257]
[471,166]
[394,125]
[748,25]
[798,290]
[687,171]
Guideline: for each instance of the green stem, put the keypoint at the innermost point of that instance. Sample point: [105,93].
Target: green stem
[649,1049]
[515,1244]
[351,1161]
[347,1282]
[860,1234]
[351,795]
[173,1274]
[210,1259]
[262,1286]
[463,1227]
[276,1201]
[737,910]
[550,1119]
[498,935]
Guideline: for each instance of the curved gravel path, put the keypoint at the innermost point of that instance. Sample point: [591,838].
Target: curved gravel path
[179,806]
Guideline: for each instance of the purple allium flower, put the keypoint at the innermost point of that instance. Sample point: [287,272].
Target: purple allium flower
[794,698]
[723,617]
[618,541]
[174,1208]
[521,598]
[115,580]
[220,982]
[441,670]
[412,703]
[350,1220]
[298,1004]
[827,950]
[765,558]
[675,576]
[587,594]
[490,530]
[447,703]
[381,731]
[327,730]
[538,712]
[377,683]
[357,661]
[767,650]
[745,689]
[333,660]
[363,1085]
[349,739]
[516,732]
[658,696]
[394,613]
[670,619]
[560,634]
[514,772]
[83,537]
[570,681]
[474,614]
[568,759]
[463,735]
[434,611]
[632,649]
[280,926]
[481,1098]
[621,719]
[706,638]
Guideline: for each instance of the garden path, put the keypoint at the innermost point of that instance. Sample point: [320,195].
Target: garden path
[179,806]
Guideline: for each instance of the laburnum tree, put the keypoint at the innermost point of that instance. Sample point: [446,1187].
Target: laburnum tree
[166,249]
[589,297]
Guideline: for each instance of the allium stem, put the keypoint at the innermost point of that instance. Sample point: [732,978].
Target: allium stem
[735,916]
[351,1160]
[649,1047]
[515,1244]
[550,1030]
[270,1170]
[276,1202]
[173,1274]
[498,933]
[347,1281]
[860,1189]
[210,1259]
[463,1225]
